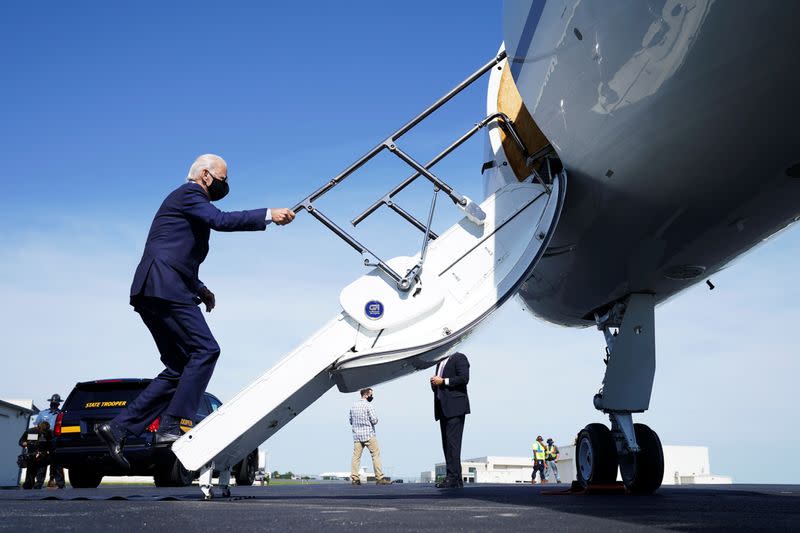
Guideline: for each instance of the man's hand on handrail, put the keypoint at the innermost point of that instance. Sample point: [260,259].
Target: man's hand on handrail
[282,215]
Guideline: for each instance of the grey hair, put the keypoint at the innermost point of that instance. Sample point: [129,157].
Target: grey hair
[204,162]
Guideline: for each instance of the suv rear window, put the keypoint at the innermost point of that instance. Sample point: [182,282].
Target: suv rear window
[98,396]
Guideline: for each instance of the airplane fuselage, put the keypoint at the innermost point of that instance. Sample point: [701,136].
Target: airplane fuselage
[677,123]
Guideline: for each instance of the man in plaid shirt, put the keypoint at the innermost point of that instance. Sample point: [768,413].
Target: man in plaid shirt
[363,420]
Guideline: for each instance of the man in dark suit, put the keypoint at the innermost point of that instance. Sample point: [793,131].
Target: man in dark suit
[166,292]
[450,407]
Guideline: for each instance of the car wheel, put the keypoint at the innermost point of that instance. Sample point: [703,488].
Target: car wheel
[246,471]
[82,478]
[173,474]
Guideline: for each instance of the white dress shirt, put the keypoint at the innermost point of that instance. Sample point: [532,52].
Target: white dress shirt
[440,369]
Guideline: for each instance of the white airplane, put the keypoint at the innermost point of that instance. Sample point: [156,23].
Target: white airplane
[633,149]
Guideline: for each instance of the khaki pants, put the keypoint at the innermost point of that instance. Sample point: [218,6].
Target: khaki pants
[374,450]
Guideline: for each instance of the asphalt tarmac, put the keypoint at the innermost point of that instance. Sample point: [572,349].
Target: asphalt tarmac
[401,507]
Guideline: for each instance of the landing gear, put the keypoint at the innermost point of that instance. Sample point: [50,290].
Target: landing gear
[629,328]
[595,456]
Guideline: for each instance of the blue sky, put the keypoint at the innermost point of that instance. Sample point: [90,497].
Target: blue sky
[102,109]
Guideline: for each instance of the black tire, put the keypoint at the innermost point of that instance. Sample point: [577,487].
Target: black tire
[172,474]
[643,472]
[245,472]
[595,456]
[84,478]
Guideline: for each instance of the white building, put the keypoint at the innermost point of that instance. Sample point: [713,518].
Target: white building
[682,465]
[687,465]
[363,475]
[14,416]
[491,469]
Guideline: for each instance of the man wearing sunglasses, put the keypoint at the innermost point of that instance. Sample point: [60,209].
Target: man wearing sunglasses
[166,292]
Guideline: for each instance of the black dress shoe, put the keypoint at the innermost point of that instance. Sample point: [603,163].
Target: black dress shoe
[114,443]
[448,484]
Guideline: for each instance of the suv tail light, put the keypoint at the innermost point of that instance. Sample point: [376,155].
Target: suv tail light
[59,420]
[153,427]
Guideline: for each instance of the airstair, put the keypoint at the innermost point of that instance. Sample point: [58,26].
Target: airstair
[407,312]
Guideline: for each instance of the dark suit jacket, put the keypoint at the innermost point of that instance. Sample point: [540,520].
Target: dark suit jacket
[452,399]
[178,243]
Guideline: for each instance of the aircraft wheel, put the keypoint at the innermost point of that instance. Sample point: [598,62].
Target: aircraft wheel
[595,455]
[643,472]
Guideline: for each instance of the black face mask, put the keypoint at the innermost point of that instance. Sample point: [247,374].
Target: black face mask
[218,190]
[369,398]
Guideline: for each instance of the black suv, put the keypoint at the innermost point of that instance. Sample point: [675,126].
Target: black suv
[78,449]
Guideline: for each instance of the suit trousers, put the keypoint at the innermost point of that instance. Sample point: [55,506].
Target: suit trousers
[452,429]
[189,353]
[374,450]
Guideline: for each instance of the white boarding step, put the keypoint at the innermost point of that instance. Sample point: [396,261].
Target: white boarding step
[242,424]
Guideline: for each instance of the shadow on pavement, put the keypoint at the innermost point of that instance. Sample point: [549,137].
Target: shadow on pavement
[677,508]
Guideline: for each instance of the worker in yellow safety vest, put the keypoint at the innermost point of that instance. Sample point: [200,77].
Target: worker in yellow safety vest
[539,454]
[550,460]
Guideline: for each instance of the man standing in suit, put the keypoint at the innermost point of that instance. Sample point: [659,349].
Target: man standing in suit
[450,407]
[166,292]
